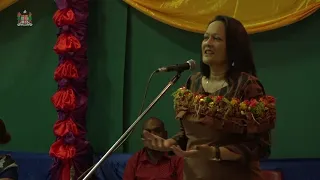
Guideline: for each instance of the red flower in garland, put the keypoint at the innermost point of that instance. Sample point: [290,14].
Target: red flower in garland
[270,99]
[219,98]
[253,103]
[246,102]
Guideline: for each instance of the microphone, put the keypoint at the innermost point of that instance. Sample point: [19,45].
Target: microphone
[189,65]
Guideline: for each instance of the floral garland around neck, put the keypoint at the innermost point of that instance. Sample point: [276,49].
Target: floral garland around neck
[221,107]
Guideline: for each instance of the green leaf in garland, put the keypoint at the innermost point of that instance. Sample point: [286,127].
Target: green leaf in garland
[208,100]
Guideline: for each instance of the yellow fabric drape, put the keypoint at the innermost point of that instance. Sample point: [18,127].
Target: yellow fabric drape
[6,3]
[256,15]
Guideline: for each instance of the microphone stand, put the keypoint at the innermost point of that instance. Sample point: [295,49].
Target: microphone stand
[127,132]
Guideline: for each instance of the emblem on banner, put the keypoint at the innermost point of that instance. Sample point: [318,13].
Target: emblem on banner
[24,18]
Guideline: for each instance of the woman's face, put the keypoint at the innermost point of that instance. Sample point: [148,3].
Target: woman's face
[214,44]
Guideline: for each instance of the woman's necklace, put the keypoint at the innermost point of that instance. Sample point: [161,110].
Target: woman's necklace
[216,89]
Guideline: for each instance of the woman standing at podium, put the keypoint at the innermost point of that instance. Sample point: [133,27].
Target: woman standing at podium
[225,115]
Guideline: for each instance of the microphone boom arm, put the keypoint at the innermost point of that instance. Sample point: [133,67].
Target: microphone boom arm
[115,146]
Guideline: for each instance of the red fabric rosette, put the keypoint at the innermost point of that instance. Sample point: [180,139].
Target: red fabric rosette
[66,43]
[64,99]
[66,70]
[64,17]
[62,127]
[61,150]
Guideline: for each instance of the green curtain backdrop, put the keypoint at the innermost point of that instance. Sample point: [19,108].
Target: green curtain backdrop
[27,64]
[107,54]
[125,46]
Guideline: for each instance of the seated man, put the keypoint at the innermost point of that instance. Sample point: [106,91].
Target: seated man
[8,167]
[149,164]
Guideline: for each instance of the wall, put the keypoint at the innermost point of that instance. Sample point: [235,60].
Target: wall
[125,46]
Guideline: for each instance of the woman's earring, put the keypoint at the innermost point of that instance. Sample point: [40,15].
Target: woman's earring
[232,64]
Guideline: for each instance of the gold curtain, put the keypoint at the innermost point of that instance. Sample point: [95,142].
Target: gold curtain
[256,15]
[6,3]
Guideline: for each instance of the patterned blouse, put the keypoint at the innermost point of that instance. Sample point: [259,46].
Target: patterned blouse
[8,168]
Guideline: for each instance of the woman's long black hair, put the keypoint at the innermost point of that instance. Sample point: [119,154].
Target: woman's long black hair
[239,54]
